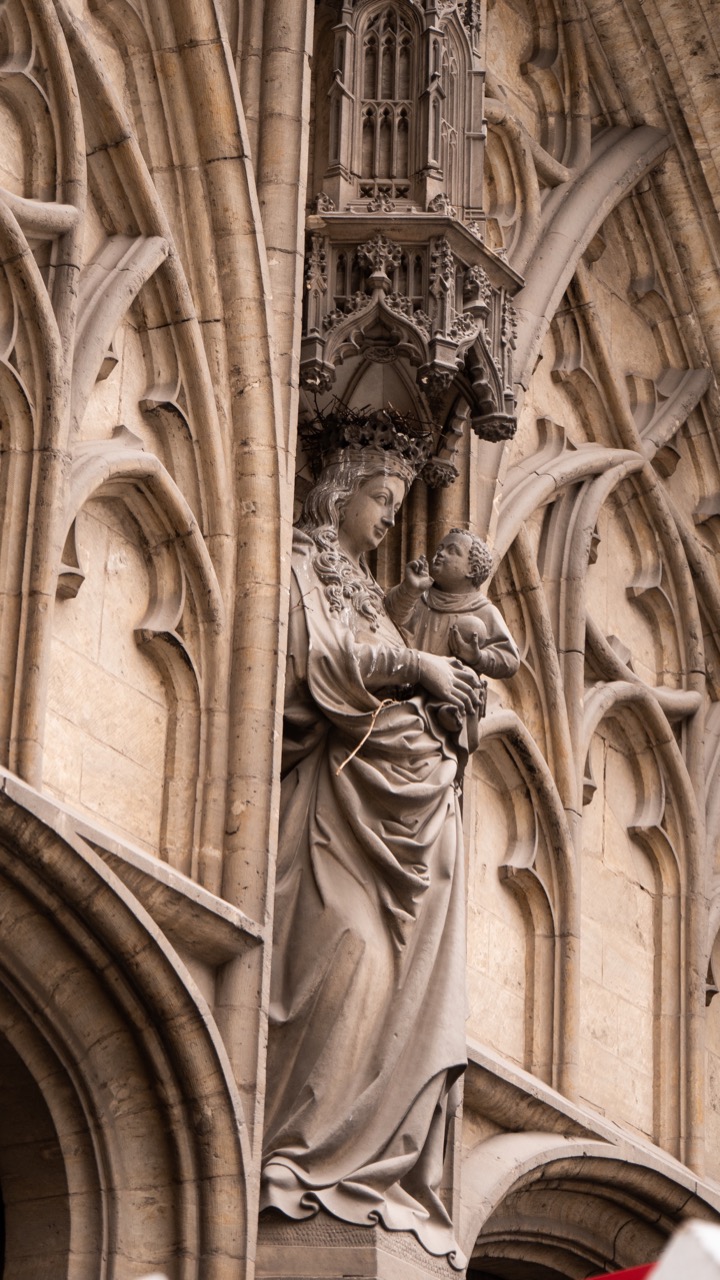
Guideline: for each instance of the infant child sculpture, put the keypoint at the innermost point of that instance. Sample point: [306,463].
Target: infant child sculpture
[440,609]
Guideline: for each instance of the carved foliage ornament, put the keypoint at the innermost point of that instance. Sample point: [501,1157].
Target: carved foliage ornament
[469,12]
[441,204]
[322,203]
[381,203]
[316,265]
[381,255]
[442,271]
[477,288]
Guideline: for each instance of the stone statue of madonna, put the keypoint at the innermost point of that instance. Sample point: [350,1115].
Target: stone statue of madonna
[367,1017]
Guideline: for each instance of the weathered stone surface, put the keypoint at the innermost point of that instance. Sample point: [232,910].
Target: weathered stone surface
[203,206]
[321,1248]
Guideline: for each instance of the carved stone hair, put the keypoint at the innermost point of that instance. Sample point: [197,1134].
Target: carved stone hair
[479,557]
[339,480]
[321,518]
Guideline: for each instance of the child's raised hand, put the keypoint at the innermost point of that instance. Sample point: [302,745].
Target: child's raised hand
[417,575]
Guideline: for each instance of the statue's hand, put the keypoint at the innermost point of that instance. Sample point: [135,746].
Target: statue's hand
[417,575]
[467,647]
[449,681]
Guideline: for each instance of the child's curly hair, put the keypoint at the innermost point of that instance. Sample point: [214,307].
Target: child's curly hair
[479,557]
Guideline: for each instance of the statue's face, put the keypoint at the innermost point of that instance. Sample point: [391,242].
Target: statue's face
[450,567]
[369,513]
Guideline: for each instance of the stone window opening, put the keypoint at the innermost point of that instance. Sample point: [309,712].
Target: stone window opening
[386,108]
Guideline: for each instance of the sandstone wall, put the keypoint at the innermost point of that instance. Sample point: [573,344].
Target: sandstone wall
[160,164]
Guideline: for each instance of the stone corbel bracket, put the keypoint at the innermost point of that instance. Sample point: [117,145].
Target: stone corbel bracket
[423,290]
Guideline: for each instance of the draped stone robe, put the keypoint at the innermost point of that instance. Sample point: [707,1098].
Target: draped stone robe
[426,619]
[367,1018]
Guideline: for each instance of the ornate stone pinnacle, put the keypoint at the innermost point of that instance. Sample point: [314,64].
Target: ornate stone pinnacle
[381,255]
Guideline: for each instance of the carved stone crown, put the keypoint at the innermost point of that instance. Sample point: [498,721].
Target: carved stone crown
[403,440]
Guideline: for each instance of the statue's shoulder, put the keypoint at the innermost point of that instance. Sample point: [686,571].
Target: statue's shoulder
[302,544]
[303,549]
[303,564]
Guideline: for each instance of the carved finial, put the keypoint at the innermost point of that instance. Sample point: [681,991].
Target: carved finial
[477,289]
[508,331]
[471,14]
[441,204]
[316,265]
[442,265]
[381,255]
[381,203]
[323,203]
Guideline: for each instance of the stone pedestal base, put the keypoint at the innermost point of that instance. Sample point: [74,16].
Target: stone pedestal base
[323,1248]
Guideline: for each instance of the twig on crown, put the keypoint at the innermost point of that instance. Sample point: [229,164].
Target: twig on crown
[340,427]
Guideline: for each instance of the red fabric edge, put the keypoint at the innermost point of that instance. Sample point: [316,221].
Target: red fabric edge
[633,1273]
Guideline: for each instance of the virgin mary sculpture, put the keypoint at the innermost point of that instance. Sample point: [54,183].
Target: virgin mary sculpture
[367,1019]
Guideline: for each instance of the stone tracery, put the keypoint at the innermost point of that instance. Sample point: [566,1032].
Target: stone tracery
[141,244]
